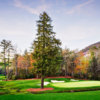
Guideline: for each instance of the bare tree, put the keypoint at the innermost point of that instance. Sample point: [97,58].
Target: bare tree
[27,61]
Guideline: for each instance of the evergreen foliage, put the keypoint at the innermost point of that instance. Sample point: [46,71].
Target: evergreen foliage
[46,47]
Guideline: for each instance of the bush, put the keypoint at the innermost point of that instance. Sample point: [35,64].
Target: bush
[22,74]
[13,77]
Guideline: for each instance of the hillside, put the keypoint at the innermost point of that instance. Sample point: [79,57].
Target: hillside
[95,46]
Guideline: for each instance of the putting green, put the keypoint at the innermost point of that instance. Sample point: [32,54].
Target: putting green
[77,84]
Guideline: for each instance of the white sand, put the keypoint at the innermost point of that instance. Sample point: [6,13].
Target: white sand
[74,80]
[55,81]
[45,83]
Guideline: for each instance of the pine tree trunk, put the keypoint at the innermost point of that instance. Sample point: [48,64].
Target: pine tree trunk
[42,82]
[16,71]
[5,62]
[26,70]
[7,72]
[8,66]
[65,71]
[16,66]
[37,76]
[72,74]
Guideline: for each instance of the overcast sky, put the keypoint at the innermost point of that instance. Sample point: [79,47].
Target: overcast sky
[76,22]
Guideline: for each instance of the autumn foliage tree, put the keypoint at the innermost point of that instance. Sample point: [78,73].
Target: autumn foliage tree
[82,64]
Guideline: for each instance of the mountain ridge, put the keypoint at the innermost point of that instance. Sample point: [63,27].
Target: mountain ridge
[94,45]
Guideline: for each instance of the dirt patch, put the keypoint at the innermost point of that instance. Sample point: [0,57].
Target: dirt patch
[38,89]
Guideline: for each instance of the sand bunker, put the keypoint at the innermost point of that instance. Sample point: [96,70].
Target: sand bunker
[55,81]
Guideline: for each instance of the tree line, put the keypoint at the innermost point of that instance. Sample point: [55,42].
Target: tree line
[48,58]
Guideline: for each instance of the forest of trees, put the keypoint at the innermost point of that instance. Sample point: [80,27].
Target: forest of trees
[47,58]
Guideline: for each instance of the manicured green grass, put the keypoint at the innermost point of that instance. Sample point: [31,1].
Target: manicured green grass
[91,95]
[16,90]
[20,86]
[77,84]
[2,77]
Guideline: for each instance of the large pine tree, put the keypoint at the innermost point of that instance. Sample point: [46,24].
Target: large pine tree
[46,48]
